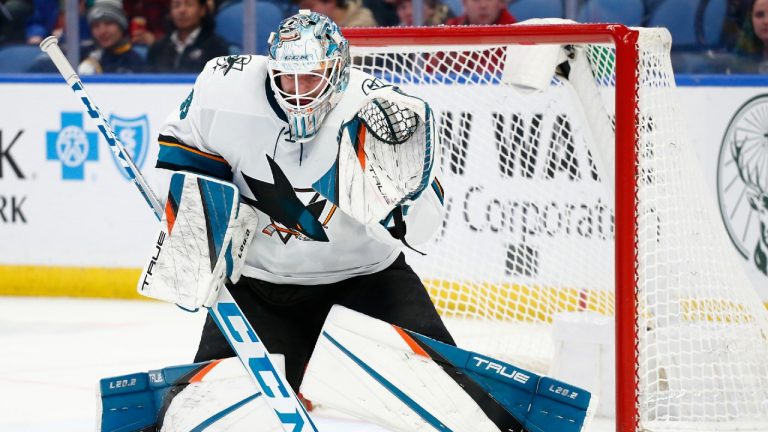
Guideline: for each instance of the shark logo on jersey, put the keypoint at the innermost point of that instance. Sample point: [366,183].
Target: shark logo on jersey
[315,204]
[289,216]
[134,134]
[233,62]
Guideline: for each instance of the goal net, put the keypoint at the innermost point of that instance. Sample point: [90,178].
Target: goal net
[581,196]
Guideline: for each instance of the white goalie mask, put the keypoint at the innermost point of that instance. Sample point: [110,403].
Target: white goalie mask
[309,70]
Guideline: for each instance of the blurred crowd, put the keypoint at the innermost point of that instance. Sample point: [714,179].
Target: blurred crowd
[180,36]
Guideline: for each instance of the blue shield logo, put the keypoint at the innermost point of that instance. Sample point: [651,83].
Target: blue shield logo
[133,133]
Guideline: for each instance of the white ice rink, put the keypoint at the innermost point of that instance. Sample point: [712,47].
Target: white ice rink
[54,351]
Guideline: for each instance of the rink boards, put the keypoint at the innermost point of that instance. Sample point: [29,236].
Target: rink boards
[72,224]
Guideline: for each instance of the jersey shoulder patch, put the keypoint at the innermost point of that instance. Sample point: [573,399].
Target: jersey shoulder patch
[362,84]
[234,64]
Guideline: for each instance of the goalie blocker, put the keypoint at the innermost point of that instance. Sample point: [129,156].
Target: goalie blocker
[365,368]
[204,237]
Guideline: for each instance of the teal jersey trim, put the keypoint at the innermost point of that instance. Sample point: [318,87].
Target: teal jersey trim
[179,157]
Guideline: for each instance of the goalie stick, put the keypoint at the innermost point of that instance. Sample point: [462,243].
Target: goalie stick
[225,312]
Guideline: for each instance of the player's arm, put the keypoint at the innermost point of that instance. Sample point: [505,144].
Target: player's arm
[385,173]
[205,231]
[183,141]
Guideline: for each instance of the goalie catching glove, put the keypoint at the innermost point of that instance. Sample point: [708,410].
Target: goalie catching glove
[385,158]
[204,237]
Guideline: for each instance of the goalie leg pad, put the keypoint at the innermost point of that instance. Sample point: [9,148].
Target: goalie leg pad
[204,237]
[407,382]
[214,396]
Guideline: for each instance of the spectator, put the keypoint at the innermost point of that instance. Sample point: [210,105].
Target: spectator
[85,37]
[434,12]
[345,13]
[384,11]
[112,51]
[753,43]
[148,20]
[475,63]
[42,22]
[43,64]
[736,14]
[192,43]
[13,19]
[483,12]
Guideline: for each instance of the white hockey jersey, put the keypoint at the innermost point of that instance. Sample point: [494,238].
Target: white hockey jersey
[231,127]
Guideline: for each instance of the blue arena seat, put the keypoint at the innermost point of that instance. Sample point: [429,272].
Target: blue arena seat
[712,25]
[229,23]
[627,12]
[690,27]
[526,9]
[679,17]
[18,58]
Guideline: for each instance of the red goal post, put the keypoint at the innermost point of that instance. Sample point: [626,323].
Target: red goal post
[630,123]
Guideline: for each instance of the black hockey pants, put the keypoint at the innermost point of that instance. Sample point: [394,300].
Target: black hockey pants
[288,318]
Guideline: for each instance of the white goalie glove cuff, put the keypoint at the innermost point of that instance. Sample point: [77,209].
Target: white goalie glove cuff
[204,237]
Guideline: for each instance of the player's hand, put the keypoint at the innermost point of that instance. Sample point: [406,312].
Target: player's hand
[143,38]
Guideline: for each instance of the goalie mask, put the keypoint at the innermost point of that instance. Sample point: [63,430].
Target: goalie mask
[309,70]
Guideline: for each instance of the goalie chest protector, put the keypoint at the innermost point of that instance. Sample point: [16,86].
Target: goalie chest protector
[231,127]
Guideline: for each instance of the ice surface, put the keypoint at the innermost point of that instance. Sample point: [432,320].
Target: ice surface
[53,351]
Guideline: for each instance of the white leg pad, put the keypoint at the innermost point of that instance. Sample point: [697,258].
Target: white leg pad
[335,380]
[225,399]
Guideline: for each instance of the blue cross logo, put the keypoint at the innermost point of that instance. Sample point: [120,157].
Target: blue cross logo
[72,145]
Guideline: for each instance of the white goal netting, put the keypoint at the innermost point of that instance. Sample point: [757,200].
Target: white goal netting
[529,230]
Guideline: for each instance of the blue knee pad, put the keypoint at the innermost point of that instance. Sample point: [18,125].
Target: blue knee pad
[133,402]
